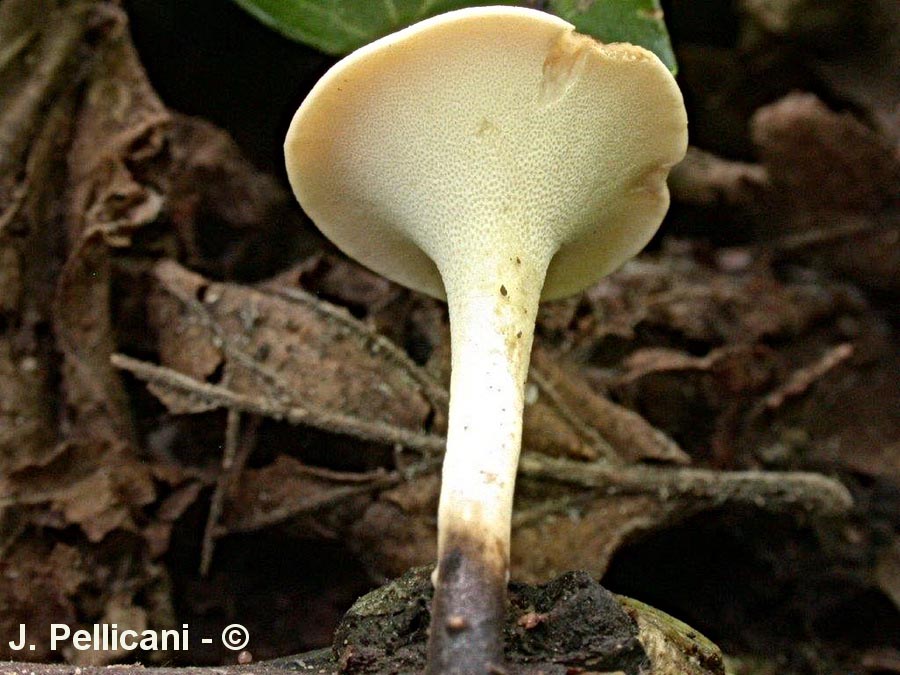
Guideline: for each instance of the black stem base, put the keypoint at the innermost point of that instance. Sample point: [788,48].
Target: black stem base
[468,611]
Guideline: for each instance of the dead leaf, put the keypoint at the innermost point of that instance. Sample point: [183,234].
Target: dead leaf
[283,348]
[585,536]
[830,172]
[40,587]
[98,487]
[286,490]
[110,199]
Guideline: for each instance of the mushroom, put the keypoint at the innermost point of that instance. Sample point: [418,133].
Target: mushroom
[492,157]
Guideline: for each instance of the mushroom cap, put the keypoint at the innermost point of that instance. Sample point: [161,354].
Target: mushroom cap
[490,129]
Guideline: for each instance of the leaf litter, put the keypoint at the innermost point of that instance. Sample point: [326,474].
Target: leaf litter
[178,389]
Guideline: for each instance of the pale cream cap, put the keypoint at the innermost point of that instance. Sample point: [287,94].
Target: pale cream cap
[492,129]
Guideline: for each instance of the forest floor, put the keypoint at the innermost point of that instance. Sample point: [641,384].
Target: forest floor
[209,416]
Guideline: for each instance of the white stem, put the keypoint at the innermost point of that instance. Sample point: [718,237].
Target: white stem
[492,315]
[492,302]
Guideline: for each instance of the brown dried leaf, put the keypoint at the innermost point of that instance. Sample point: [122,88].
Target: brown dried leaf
[36,111]
[835,189]
[675,300]
[184,345]
[119,138]
[696,349]
[96,486]
[820,160]
[584,536]
[287,350]
[630,435]
[844,419]
[341,282]
[211,181]
[287,490]
[26,432]
[398,530]
[40,586]
[545,431]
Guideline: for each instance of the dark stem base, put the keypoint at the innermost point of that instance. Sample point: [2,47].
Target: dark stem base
[468,610]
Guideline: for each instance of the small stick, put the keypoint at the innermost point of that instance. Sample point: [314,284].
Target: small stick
[223,483]
[378,432]
[769,490]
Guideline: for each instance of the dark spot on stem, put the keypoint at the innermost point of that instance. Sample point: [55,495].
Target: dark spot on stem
[503,291]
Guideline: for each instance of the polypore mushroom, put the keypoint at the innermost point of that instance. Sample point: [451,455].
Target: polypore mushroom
[492,157]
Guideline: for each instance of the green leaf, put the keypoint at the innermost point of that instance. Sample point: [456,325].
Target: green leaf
[340,26]
[639,22]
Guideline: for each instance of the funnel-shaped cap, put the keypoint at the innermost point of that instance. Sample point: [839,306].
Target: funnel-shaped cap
[484,131]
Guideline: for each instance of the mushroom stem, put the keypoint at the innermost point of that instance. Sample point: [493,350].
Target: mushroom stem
[492,315]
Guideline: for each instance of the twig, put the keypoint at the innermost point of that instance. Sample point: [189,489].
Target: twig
[826,235]
[802,379]
[378,432]
[344,477]
[223,482]
[769,490]
[764,489]
[351,485]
